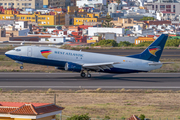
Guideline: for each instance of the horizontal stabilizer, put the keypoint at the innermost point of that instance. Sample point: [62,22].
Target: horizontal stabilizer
[159,63]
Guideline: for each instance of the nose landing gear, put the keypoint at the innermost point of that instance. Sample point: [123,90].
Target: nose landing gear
[21,67]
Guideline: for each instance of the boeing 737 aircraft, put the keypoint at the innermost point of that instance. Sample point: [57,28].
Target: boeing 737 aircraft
[79,61]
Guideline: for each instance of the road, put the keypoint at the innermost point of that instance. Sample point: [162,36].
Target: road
[167,53]
[21,81]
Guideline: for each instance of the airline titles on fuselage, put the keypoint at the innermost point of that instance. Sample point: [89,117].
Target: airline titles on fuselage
[68,53]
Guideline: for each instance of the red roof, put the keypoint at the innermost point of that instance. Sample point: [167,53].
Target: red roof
[84,26]
[19,104]
[133,117]
[28,108]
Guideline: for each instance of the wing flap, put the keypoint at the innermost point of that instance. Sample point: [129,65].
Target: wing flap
[99,66]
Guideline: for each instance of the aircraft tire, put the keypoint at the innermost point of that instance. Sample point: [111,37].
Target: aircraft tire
[83,74]
[89,75]
[21,67]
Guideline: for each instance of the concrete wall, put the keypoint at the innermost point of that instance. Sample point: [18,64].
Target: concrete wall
[129,39]
[23,32]
[54,39]
[93,30]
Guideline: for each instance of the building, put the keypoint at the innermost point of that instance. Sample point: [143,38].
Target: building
[51,18]
[34,4]
[80,21]
[88,17]
[127,22]
[89,3]
[143,39]
[28,111]
[171,9]
[113,7]
[156,23]
[133,117]
[52,39]
[93,39]
[56,3]
[93,31]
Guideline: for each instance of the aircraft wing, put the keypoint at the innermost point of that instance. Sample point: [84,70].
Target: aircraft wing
[99,66]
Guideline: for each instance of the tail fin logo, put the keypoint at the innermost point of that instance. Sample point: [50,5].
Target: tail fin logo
[45,53]
[154,49]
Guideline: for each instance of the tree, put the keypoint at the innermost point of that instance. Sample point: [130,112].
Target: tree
[142,117]
[107,22]
[79,117]
[147,18]
[106,43]
[125,44]
[118,1]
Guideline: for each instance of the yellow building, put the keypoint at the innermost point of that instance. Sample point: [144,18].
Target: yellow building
[80,21]
[41,19]
[143,39]
[28,111]
[94,39]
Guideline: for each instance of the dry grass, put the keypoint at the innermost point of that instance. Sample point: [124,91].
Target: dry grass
[115,105]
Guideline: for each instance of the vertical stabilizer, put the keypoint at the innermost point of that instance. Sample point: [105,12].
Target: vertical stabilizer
[154,51]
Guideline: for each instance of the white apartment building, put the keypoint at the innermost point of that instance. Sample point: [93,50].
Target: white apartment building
[92,31]
[90,3]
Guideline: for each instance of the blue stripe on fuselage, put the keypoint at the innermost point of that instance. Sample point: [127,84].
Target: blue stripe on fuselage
[50,62]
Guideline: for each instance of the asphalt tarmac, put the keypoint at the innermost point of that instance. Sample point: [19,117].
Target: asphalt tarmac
[31,81]
[167,53]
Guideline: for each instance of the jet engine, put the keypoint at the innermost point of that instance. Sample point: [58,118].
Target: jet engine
[73,67]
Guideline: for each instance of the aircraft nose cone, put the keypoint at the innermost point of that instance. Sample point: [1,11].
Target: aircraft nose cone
[7,53]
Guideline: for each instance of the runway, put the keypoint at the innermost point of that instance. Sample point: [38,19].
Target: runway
[31,81]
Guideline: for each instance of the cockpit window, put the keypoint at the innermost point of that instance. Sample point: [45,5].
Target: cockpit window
[17,49]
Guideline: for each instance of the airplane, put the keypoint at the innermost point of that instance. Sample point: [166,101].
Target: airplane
[79,61]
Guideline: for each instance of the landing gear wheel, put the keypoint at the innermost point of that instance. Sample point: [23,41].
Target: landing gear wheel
[89,75]
[83,74]
[21,67]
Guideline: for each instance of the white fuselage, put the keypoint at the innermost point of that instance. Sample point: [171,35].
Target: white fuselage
[58,58]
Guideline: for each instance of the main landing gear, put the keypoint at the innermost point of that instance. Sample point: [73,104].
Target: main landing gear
[83,74]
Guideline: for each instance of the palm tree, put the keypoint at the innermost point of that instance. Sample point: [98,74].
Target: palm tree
[118,1]
[107,22]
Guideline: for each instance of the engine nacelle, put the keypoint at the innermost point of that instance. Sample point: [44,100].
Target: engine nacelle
[73,67]
[60,68]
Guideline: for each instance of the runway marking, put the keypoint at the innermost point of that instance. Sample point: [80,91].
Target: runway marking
[94,87]
[79,73]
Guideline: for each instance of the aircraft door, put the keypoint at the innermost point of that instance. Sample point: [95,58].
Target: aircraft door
[29,51]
